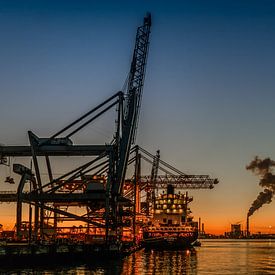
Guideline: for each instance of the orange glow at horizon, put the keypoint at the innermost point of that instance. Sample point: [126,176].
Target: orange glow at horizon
[217,228]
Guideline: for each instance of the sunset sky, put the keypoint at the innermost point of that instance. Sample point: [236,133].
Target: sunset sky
[208,101]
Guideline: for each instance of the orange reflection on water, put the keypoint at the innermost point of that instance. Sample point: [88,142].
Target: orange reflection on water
[161,262]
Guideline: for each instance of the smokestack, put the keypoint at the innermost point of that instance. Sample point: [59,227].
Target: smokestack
[247,226]
[263,168]
[199,225]
[202,228]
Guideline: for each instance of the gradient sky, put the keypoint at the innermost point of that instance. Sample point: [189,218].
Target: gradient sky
[208,101]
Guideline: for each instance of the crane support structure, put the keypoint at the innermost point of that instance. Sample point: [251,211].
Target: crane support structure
[97,185]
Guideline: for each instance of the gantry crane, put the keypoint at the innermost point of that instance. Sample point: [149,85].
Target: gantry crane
[99,184]
[108,160]
[149,184]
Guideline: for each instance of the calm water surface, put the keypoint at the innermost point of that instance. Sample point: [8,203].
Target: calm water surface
[219,257]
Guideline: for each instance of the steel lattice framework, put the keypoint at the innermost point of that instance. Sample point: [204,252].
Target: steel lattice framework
[149,184]
[181,181]
[111,160]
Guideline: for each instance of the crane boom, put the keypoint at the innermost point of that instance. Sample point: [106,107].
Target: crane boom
[133,100]
[138,66]
[180,181]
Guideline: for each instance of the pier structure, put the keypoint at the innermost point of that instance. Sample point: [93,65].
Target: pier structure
[114,207]
[139,193]
[101,179]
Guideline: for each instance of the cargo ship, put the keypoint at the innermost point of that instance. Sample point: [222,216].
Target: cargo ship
[171,225]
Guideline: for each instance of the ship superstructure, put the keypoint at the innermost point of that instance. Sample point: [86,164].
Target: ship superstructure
[171,226]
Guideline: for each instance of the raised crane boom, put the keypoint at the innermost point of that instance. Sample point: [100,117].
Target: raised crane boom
[133,97]
[137,71]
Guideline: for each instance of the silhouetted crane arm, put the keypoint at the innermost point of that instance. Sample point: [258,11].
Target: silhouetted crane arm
[133,99]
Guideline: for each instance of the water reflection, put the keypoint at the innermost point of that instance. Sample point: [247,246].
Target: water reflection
[240,257]
[94,266]
[161,262]
[227,257]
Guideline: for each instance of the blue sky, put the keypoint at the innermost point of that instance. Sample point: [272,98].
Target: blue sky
[208,101]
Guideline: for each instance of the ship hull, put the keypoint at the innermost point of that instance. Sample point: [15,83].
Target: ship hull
[167,242]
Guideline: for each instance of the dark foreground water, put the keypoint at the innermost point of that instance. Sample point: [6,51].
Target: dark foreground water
[219,257]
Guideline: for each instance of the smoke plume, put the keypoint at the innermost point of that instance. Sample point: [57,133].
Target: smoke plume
[263,168]
[260,167]
[263,197]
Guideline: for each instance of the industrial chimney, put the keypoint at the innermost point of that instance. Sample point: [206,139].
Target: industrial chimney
[199,225]
[247,227]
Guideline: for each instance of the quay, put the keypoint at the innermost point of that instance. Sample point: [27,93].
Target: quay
[24,253]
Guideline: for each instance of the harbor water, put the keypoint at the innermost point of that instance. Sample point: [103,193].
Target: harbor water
[213,257]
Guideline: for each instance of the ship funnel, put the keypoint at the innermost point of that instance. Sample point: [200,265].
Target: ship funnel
[170,189]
